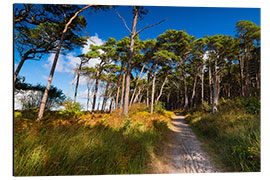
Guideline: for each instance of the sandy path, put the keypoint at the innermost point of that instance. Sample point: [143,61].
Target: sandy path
[182,152]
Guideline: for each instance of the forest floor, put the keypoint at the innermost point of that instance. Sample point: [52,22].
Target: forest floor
[182,152]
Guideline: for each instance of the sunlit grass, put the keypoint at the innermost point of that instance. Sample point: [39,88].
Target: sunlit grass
[91,144]
[232,135]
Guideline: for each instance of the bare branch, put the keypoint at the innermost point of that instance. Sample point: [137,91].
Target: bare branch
[122,20]
[150,26]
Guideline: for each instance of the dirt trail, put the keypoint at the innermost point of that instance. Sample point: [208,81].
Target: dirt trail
[182,152]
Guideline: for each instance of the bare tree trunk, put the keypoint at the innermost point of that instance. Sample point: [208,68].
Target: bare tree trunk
[135,88]
[247,79]
[105,97]
[20,66]
[162,87]
[210,84]
[241,64]
[215,93]
[140,98]
[147,89]
[45,96]
[131,51]
[193,91]
[202,86]
[96,89]
[186,90]
[77,83]
[122,90]
[112,104]
[88,96]
[153,90]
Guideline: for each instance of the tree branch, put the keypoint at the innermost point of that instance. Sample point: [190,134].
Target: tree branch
[150,26]
[122,20]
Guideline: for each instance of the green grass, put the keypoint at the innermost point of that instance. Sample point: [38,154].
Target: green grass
[232,135]
[61,146]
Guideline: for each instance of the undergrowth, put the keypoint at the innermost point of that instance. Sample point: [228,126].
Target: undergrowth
[232,135]
[86,144]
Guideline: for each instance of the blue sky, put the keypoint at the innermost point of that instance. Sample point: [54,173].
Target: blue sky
[197,21]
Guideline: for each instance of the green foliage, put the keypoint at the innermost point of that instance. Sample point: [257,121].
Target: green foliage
[232,134]
[71,109]
[252,105]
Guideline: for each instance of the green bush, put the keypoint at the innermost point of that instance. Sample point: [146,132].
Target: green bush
[232,134]
[71,109]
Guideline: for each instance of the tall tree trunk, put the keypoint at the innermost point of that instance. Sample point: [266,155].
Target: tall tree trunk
[112,104]
[229,78]
[140,98]
[247,78]
[135,88]
[186,90]
[20,66]
[210,84]
[45,96]
[77,83]
[153,90]
[131,51]
[215,93]
[241,64]
[137,96]
[105,97]
[162,87]
[147,89]
[117,96]
[118,87]
[96,90]
[193,91]
[202,86]
[88,96]
[122,90]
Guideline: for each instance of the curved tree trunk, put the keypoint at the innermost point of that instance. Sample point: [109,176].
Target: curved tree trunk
[45,96]
[135,88]
[131,51]
[18,69]
[95,91]
[162,87]
[77,83]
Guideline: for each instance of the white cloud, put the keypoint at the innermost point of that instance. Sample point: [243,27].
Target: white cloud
[68,62]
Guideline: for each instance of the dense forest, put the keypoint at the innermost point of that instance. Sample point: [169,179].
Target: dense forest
[142,79]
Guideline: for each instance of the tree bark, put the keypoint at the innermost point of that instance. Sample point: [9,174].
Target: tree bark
[45,96]
[193,91]
[153,90]
[215,93]
[210,84]
[147,89]
[105,97]
[96,89]
[162,87]
[88,97]
[135,88]
[131,51]
[20,66]
[122,90]
[202,86]
[186,90]
[241,64]
[77,83]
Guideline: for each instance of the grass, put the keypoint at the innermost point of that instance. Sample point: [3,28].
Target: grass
[86,144]
[232,135]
